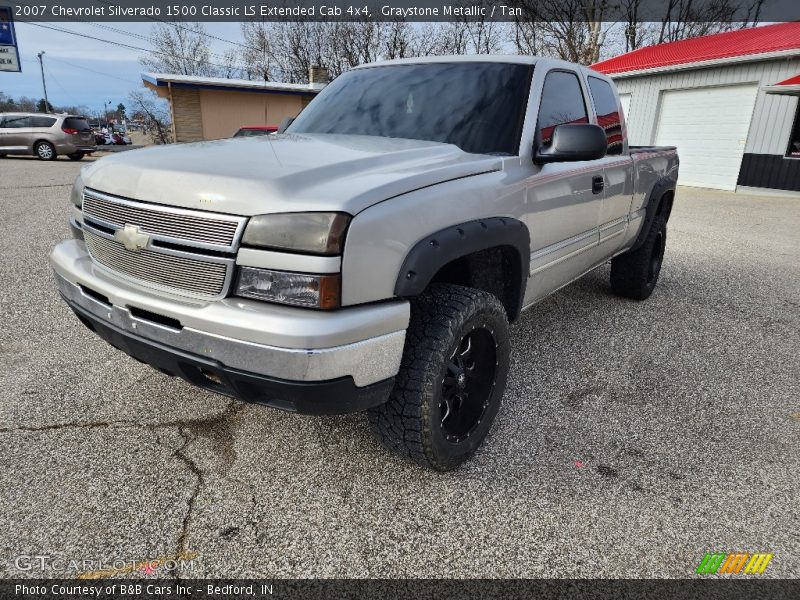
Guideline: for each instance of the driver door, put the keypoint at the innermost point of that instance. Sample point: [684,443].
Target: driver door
[564,198]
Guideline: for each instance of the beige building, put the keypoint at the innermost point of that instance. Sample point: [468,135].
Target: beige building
[209,108]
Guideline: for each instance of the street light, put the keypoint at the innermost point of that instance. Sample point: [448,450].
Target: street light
[106,104]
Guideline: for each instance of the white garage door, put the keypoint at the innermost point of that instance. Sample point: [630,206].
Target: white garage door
[709,126]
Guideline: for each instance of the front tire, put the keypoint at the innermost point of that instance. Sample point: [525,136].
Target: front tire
[635,274]
[451,380]
[45,151]
[75,156]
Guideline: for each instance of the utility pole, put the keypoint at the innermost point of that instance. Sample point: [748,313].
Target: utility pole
[44,85]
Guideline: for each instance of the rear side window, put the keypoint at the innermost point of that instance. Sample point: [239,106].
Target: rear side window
[42,121]
[75,123]
[16,122]
[562,103]
[605,103]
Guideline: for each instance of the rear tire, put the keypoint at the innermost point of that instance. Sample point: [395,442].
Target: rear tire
[45,151]
[76,155]
[451,380]
[635,274]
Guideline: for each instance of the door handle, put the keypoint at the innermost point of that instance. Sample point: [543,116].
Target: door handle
[598,183]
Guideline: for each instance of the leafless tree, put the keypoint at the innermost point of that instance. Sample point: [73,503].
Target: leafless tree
[574,30]
[179,48]
[683,19]
[257,58]
[155,115]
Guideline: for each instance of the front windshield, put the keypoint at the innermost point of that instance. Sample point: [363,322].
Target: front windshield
[478,106]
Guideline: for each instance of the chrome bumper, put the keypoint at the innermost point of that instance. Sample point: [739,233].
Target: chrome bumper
[365,342]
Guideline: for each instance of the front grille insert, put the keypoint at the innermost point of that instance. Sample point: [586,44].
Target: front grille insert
[209,230]
[179,274]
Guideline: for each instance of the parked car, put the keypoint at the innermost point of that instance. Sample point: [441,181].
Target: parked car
[253,130]
[45,135]
[371,258]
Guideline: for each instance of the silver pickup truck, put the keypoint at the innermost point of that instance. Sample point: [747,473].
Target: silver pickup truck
[371,256]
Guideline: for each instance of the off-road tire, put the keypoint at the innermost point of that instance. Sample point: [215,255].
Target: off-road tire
[42,153]
[635,273]
[446,321]
[76,156]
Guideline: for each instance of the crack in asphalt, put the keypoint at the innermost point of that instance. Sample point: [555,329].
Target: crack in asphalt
[190,430]
[212,419]
[216,427]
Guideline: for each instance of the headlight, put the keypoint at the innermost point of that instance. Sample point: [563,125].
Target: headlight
[317,233]
[298,289]
[76,195]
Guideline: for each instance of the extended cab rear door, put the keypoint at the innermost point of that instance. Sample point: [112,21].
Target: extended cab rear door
[617,165]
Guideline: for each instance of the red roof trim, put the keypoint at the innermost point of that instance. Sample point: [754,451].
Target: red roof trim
[791,81]
[743,42]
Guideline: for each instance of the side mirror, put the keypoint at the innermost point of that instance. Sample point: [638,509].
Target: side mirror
[285,124]
[572,142]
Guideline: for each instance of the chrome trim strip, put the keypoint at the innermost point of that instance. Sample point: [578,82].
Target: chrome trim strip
[285,261]
[613,228]
[162,250]
[156,208]
[560,251]
[367,361]
[580,242]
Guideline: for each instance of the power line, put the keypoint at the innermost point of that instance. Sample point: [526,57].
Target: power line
[94,71]
[173,24]
[58,83]
[138,36]
[91,37]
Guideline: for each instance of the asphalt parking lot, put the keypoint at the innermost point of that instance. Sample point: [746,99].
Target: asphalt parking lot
[634,438]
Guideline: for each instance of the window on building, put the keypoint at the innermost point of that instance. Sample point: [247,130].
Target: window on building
[562,103]
[605,104]
[794,139]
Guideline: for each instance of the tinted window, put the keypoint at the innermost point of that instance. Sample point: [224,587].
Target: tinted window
[608,117]
[16,122]
[75,123]
[479,107]
[42,121]
[562,102]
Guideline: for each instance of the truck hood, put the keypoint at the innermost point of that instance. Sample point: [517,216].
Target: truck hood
[283,173]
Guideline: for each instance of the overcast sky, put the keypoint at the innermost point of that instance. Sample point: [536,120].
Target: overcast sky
[81,71]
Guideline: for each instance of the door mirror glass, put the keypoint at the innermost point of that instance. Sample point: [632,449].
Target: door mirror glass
[573,142]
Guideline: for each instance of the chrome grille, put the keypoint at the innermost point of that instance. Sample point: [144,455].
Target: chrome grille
[178,273]
[206,230]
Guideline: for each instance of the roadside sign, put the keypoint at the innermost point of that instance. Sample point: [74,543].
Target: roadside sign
[9,55]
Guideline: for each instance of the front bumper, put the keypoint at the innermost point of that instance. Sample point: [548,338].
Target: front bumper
[296,359]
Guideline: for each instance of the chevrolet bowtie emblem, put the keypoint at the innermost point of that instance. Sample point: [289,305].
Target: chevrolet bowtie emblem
[132,237]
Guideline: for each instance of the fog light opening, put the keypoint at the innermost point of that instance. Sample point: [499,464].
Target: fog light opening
[212,377]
